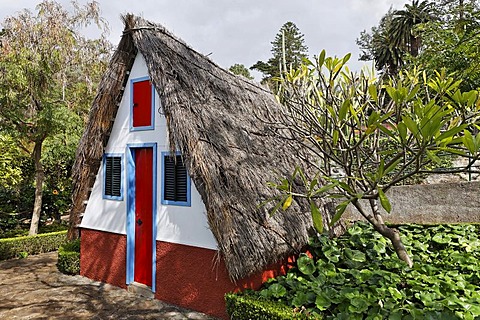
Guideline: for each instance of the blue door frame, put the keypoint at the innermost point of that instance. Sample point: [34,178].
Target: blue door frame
[131,211]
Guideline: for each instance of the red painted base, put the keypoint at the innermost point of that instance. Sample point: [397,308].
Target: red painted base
[103,257]
[187,276]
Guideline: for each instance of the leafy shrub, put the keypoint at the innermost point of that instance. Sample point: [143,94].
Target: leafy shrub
[13,247]
[245,307]
[41,229]
[358,275]
[69,257]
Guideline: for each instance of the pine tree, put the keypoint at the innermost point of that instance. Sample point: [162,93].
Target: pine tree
[290,39]
[240,69]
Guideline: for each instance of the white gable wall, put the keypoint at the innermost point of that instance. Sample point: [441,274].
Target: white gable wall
[176,224]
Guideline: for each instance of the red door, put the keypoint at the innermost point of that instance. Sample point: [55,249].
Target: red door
[142,104]
[143,215]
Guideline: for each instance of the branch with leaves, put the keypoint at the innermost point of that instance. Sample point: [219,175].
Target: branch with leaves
[376,133]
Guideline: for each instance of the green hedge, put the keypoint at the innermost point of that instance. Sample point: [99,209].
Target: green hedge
[22,246]
[244,307]
[69,257]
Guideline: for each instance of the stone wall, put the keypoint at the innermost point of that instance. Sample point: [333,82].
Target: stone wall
[452,202]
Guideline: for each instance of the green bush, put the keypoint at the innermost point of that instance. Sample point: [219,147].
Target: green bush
[358,276]
[17,232]
[69,257]
[246,307]
[16,247]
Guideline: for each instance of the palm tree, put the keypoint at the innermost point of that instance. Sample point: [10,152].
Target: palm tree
[388,57]
[381,46]
[404,22]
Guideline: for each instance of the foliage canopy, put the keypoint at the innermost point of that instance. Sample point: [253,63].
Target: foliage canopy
[370,134]
[48,76]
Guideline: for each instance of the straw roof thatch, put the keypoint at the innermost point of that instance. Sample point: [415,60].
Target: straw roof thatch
[223,125]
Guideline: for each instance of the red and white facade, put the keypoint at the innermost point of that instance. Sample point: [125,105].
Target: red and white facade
[133,234]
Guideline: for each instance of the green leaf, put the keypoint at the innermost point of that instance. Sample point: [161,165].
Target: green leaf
[450,133]
[335,137]
[395,293]
[300,299]
[325,188]
[285,186]
[287,203]
[372,90]
[316,217]
[373,118]
[321,58]
[306,265]
[395,315]
[402,131]
[358,305]
[384,200]
[322,302]
[342,113]
[339,210]
[387,131]
[411,125]
[355,255]
[468,141]
[275,209]
[392,166]
[441,238]
[346,187]
[413,92]
[432,156]
[381,169]
[277,290]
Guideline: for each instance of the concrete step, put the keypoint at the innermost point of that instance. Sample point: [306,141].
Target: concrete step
[141,290]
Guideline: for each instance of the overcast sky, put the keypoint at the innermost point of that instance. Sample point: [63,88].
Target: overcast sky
[241,31]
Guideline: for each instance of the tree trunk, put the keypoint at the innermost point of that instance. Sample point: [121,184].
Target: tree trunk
[39,177]
[392,234]
[74,220]
[414,45]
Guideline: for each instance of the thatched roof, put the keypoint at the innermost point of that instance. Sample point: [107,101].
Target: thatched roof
[222,123]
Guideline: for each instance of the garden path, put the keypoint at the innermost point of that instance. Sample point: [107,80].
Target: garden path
[33,288]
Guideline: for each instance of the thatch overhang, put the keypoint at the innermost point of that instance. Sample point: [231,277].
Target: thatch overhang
[222,124]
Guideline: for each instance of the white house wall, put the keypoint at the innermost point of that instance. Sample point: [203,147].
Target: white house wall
[176,224]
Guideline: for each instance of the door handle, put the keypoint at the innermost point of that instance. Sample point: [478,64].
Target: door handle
[139,222]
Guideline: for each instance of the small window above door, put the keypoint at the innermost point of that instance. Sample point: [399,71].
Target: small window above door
[142,104]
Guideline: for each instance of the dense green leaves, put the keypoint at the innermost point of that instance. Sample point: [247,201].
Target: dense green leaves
[46,242]
[69,257]
[356,277]
[49,72]
[432,34]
